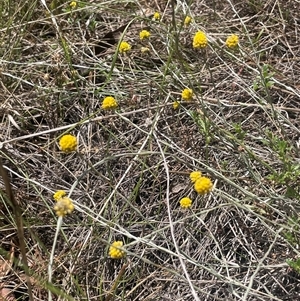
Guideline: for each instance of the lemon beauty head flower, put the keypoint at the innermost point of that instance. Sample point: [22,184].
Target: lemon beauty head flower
[124,47]
[232,41]
[195,175]
[63,206]
[73,4]
[187,20]
[144,34]
[156,16]
[200,40]
[203,185]
[187,94]
[115,250]
[59,194]
[109,103]
[176,105]
[185,202]
[68,143]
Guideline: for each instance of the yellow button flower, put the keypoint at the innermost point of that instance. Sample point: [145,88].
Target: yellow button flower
[232,41]
[200,40]
[115,250]
[124,47]
[176,105]
[187,20]
[73,4]
[185,202]
[156,16]
[187,94]
[109,103]
[203,185]
[195,175]
[59,194]
[63,206]
[68,143]
[144,34]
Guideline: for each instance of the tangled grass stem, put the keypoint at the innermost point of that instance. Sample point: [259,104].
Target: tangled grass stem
[19,223]
[133,161]
[116,283]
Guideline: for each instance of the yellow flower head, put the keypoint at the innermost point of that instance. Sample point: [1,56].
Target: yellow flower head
[68,143]
[156,16]
[63,206]
[109,103]
[195,175]
[185,203]
[187,94]
[73,4]
[187,20]
[203,185]
[144,34]
[59,194]
[232,41]
[124,47]
[200,40]
[176,105]
[115,251]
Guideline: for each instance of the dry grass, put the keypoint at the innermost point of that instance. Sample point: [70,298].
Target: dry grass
[132,166]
